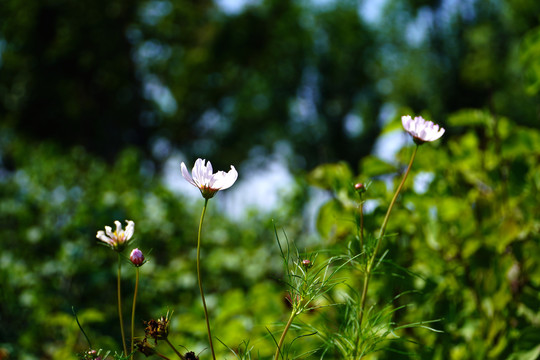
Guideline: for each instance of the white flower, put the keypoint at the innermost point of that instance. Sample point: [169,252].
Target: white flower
[206,181]
[118,239]
[421,130]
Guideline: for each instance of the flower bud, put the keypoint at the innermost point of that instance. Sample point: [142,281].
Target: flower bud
[137,257]
[90,355]
[306,263]
[360,188]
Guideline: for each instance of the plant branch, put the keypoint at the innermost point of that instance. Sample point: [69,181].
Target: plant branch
[285,330]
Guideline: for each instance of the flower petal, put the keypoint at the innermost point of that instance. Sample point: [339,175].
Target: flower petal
[186,175]
[421,129]
[208,183]
[224,180]
[101,236]
[406,121]
[130,229]
[118,227]
[199,173]
[108,231]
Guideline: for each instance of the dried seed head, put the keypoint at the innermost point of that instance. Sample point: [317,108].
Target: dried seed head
[190,355]
[157,329]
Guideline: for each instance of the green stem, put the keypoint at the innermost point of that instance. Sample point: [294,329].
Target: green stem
[282,338]
[200,280]
[133,311]
[385,221]
[361,215]
[176,351]
[161,356]
[120,305]
[371,261]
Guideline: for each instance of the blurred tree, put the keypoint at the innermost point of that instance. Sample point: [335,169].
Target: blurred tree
[460,55]
[67,73]
[318,77]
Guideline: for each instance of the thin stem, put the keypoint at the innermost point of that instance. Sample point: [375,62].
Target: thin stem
[120,305]
[371,261]
[285,330]
[200,280]
[80,327]
[385,221]
[133,311]
[176,351]
[361,215]
[161,356]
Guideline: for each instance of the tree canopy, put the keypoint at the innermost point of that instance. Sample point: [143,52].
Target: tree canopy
[320,76]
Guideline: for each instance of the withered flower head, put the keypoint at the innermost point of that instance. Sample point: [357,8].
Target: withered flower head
[157,329]
[190,355]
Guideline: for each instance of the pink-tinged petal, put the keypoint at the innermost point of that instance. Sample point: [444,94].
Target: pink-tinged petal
[199,172]
[186,175]
[421,130]
[208,183]
[101,236]
[406,121]
[208,174]
[209,171]
[226,180]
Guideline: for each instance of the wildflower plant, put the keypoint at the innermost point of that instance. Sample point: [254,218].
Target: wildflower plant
[363,329]
[209,184]
[117,241]
[421,131]
[313,280]
[137,259]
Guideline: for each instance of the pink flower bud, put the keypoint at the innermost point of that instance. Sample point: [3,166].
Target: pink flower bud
[360,187]
[137,257]
[306,263]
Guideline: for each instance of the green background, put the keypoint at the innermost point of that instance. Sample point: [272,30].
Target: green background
[97,97]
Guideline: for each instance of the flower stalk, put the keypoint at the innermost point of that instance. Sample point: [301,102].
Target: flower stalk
[284,333]
[209,183]
[371,261]
[120,304]
[199,278]
[174,349]
[133,311]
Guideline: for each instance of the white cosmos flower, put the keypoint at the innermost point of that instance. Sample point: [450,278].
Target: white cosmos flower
[208,182]
[421,130]
[119,238]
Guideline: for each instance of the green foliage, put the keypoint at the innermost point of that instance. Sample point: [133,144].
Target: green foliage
[470,238]
[52,205]
[530,50]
